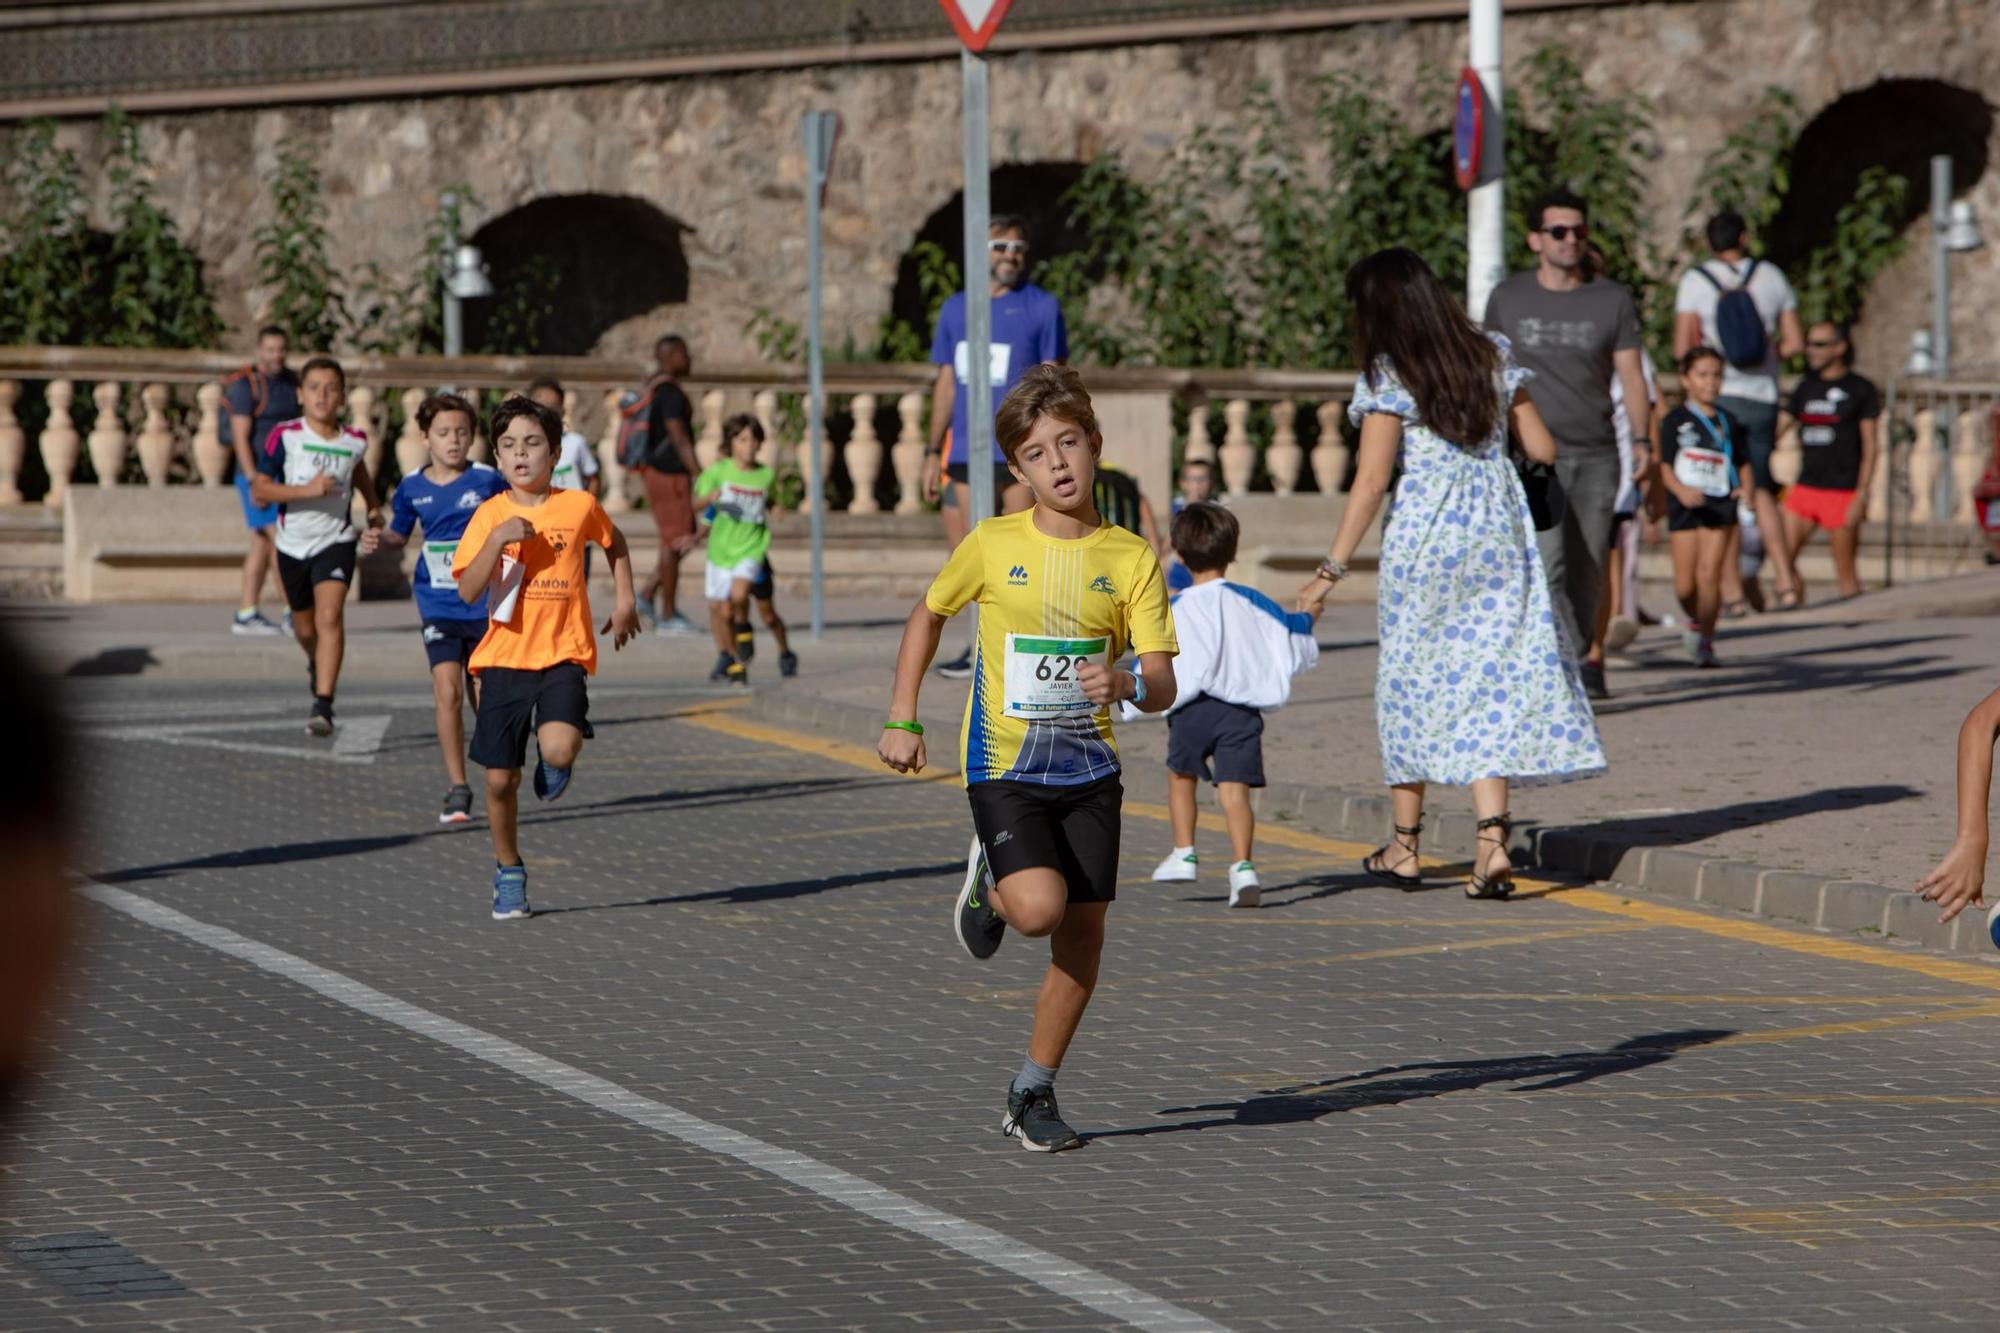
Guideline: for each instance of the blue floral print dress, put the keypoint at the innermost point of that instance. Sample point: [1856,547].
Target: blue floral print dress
[1473,679]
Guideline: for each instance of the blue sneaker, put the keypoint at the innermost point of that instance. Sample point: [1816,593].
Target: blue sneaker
[510,893]
[550,782]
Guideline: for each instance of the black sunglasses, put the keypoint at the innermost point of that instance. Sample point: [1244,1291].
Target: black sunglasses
[1562,231]
[1822,342]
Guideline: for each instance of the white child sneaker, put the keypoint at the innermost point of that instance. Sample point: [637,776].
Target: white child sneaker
[1182,866]
[1245,889]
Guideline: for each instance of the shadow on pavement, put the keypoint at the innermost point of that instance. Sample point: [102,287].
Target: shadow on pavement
[1395,1084]
[114,662]
[1792,673]
[1694,825]
[292,852]
[758,893]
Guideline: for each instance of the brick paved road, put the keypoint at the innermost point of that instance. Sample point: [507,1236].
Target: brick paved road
[1353,1108]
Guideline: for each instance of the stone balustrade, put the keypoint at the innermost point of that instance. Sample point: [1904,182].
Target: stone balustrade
[154,419]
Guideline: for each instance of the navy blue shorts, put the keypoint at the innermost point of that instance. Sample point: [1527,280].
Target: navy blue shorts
[763,589]
[1220,741]
[449,641]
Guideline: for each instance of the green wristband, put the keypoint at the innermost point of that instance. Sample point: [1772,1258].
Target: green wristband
[914,728]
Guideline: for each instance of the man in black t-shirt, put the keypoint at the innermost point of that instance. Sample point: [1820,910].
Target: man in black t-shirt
[668,474]
[1834,411]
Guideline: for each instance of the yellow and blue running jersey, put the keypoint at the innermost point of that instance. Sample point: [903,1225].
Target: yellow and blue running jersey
[1045,606]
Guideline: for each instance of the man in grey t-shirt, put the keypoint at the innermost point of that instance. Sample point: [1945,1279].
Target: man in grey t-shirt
[1575,332]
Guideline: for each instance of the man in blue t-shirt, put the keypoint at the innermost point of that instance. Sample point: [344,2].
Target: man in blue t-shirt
[1028,329]
[255,401]
[443,498]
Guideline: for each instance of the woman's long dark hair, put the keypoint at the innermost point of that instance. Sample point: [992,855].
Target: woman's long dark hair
[1402,312]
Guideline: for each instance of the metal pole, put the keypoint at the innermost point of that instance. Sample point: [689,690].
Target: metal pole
[815,128]
[978,294]
[454,310]
[1941,266]
[1486,204]
[1888,446]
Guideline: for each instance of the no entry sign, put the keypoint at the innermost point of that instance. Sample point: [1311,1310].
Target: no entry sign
[975,21]
[1468,128]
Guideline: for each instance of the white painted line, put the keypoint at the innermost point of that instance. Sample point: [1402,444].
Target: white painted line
[1067,1279]
[355,740]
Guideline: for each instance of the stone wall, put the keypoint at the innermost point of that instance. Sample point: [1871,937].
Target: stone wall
[720,154]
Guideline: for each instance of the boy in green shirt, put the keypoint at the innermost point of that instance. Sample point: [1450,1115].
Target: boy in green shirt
[737,489]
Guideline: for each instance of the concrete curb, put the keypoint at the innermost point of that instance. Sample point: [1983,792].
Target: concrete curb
[1874,912]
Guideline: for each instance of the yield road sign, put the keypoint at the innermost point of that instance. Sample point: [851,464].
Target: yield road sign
[975,21]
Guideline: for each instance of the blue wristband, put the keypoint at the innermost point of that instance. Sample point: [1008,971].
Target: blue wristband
[1138,688]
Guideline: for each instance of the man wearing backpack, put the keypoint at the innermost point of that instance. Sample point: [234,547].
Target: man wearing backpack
[1745,309]
[668,467]
[255,401]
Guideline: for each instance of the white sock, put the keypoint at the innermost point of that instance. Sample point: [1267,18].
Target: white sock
[1184,851]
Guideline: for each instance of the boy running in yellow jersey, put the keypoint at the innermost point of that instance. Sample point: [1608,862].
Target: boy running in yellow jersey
[1061,595]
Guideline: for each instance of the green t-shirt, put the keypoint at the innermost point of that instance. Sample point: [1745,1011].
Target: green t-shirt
[738,498]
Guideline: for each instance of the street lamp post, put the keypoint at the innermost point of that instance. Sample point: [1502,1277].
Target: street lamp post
[465,279]
[1954,230]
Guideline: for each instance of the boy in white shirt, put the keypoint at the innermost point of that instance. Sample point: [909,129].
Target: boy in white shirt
[1239,652]
[576,465]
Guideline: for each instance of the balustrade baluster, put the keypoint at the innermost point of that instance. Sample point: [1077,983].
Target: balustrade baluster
[864,455]
[108,439]
[709,445]
[1923,471]
[1198,443]
[411,454]
[13,444]
[157,441]
[361,416]
[1330,453]
[1889,459]
[1968,464]
[60,444]
[908,454]
[1787,457]
[616,501]
[211,455]
[1239,459]
[1284,458]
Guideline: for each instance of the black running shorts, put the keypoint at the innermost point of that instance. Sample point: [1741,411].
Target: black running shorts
[1074,830]
[299,577]
[512,704]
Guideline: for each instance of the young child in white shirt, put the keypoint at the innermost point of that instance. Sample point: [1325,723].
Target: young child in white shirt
[1239,652]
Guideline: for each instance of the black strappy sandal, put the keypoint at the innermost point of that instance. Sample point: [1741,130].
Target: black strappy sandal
[1498,886]
[1377,865]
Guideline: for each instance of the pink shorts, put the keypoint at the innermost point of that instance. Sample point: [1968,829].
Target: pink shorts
[1817,504]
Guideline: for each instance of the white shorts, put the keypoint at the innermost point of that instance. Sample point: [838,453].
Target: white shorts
[716,579]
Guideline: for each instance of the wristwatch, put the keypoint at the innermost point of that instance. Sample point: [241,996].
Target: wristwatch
[1331,570]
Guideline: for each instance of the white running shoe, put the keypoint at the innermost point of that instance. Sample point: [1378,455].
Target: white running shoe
[1179,868]
[1245,889]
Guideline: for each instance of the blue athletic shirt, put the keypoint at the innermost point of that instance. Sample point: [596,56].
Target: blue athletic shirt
[1028,329]
[443,511]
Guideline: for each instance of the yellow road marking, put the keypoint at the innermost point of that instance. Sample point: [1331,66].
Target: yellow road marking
[1984,977]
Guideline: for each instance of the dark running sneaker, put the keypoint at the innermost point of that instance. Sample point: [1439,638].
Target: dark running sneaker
[1593,680]
[550,781]
[457,806]
[1032,1117]
[510,893]
[978,926]
[737,674]
[320,722]
[958,668]
[788,664]
[721,668]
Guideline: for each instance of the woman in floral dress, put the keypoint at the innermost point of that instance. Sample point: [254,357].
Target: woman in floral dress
[1474,684]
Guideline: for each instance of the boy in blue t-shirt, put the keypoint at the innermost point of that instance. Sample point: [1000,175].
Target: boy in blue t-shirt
[443,498]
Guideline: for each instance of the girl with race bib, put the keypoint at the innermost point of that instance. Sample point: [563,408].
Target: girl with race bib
[1704,465]
[442,498]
